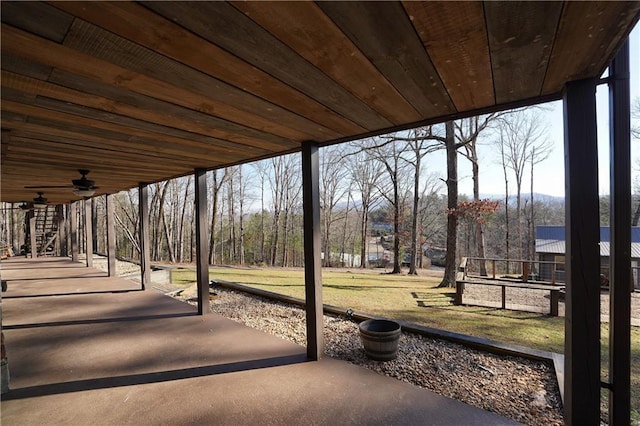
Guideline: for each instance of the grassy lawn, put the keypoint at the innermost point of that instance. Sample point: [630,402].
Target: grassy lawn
[417,299]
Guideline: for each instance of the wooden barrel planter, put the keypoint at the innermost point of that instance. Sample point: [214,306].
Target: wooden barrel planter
[380,338]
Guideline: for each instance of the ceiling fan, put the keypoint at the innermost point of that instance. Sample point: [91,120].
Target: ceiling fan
[83,187]
[39,202]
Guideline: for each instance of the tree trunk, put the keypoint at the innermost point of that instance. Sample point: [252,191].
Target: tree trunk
[532,221]
[262,234]
[396,225]
[364,261]
[506,205]
[240,218]
[163,219]
[214,210]
[414,218]
[181,226]
[449,279]
[479,231]
[343,245]
[275,235]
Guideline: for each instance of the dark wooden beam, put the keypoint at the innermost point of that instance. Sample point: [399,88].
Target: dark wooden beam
[62,231]
[73,225]
[582,319]
[88,228]
[31,218]
[145,245]
[94,225]
[202,254]
[620,244]
[111,236]
[312,266]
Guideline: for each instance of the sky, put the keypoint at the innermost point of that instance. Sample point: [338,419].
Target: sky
[549,175]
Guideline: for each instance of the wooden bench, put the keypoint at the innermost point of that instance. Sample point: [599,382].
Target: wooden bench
[554,291]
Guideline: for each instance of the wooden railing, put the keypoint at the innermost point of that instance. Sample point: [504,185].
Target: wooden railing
[524,270]
[538,271]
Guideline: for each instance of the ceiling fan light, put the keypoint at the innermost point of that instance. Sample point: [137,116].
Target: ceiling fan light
[39,205]
[84,192]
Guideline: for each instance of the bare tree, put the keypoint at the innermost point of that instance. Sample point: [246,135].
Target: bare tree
[285,177]
[449,278]
[420,141]
[332,191]
[186,201]
[522,133]
[262,170]
[389,152]
[218,178]
[293,192]
[365,174]
[430,213]
[503,159]
[467,133]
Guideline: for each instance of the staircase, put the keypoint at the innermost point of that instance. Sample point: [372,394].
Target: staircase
[46,230]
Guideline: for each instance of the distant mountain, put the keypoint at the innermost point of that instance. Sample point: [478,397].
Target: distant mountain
[523,196]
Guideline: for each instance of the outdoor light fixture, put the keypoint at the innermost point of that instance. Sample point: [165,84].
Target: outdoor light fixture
[84,192]
[39,202]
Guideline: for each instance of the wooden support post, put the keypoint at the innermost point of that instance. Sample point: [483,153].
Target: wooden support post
[88,227]
[312,263]
[620,256]
[145,246]
[202,254]
[111,236]
[32,233]
[61,242]
[525,271]
[554,298]
[582,265]
[94,226]
[493,266]
[504,297]
[73,224]
[459,293]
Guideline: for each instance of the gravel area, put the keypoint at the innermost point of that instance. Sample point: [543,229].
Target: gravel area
[521,389]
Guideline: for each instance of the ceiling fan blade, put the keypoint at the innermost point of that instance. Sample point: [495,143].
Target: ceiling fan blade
[47,186]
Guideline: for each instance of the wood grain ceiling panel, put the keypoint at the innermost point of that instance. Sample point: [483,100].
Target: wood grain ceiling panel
[56,129]
[24,66]
[521,36]
[227,27]
[140,25]
[261,114]
[191,128]
[86,157]
[458,48]
[58,56]
[586,39]
[37,18]
[384,33]
[62,175]
[231,135]
[99,127]
[307,30]
[112,144]
[157,89]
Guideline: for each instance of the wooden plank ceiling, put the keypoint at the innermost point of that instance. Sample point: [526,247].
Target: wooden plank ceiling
[141,92]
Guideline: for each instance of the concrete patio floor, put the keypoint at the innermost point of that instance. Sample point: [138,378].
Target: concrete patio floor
[86,349]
